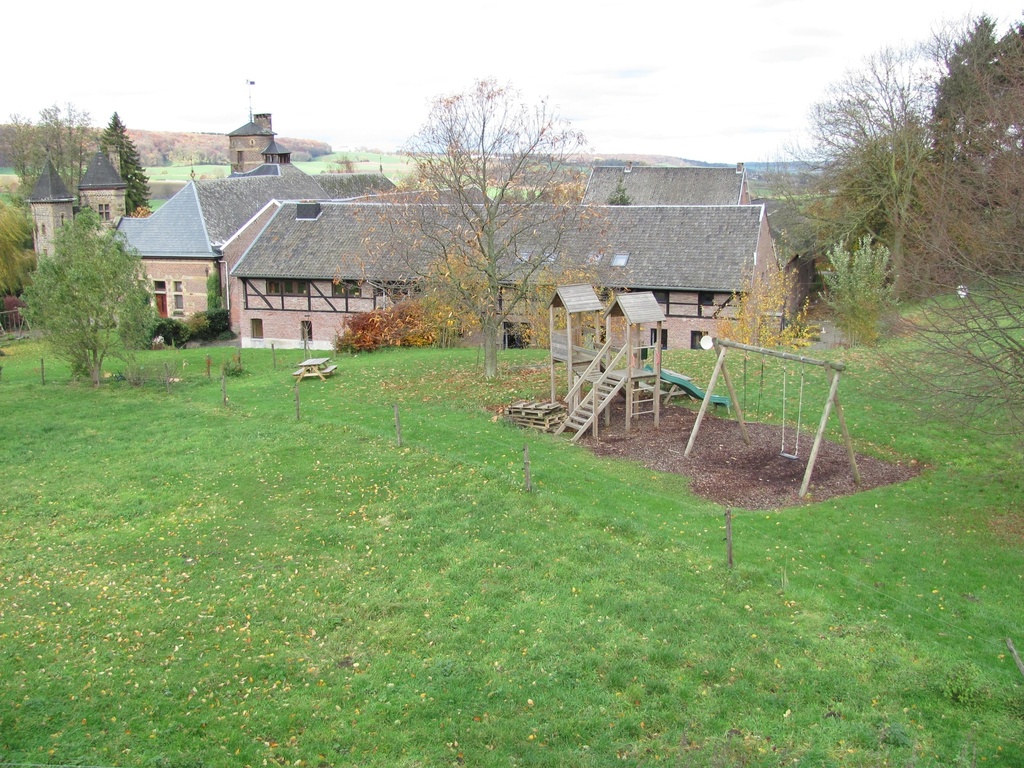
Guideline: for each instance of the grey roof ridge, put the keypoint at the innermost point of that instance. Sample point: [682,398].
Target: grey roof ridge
[252,218]
[255,240]
[202,218]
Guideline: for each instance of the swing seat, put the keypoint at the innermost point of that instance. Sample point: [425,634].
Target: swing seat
[792,456]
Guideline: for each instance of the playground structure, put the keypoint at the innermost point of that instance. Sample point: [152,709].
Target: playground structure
[833,369]
[596,374]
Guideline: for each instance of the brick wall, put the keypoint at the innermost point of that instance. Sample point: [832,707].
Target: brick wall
[282,317]
[190,273]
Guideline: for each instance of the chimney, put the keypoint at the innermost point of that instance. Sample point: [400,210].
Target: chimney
[739,167]
[263,121]
[115,159]
[628,168]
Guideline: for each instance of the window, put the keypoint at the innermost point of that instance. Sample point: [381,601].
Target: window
[256,327]
[306,329]
[43,226]
[179,297]
[695,337]
[288,287]
[345,289]
[664,337]
[103,209]
[705,299]
[620,259]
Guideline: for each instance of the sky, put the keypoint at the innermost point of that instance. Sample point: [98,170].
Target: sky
[714,81]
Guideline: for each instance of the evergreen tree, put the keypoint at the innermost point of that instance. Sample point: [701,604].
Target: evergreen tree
[115,137]
[620,196]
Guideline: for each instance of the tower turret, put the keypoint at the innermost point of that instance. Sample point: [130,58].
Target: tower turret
[51,206]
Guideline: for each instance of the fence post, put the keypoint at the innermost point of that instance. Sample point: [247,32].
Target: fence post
[526,468]
[728,535]
[208,363]
[224,387]
[298,415]
[398,426]
[273,355]
[42,369]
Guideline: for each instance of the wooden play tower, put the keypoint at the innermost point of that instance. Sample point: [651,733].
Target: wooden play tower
[597,373]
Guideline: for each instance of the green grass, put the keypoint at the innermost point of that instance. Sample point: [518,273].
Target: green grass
[186,583]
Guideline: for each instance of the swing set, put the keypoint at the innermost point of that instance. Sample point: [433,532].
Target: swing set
[833,369]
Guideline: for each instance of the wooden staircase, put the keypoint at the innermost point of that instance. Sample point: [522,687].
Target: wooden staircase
[604,385]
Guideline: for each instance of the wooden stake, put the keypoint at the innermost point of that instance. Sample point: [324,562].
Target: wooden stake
[728,536]
[42,370]
[298,415]
[526,468]
[224,387]
[209,362]
[273,355]
[167,376]
[398,427]
[1016,658]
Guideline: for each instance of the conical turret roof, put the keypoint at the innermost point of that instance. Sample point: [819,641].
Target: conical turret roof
[49,188]
[102,175]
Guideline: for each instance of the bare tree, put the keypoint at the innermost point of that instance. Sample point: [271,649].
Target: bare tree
[498,209]
[972,226]
[870,143]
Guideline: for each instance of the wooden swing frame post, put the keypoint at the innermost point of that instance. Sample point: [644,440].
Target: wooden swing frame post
[834,371]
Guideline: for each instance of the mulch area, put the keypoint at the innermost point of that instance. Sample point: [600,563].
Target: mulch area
[725,470]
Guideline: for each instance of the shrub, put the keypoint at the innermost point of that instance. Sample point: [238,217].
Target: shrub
[858,289]
[12,321]
[174,332]
[198,326]
[403,325]
[963,684]
[210,325]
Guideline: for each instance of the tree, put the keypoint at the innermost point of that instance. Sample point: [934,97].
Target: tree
[620,196]
[871,143]
[500,198]
[971,333]
[764,315]
[16,255]
[858,289]
[115,138]
[63,134]
[90,296]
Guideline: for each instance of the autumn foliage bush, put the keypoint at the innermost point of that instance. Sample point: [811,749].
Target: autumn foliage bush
[403,325]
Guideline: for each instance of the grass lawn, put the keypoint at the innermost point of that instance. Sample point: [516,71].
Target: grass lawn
[186,583]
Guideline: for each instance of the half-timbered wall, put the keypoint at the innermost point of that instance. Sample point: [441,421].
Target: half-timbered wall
[284,311]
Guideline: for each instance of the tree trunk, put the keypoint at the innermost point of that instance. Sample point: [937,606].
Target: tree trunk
[492,343]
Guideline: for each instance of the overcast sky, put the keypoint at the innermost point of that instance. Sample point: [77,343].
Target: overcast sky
[714,81]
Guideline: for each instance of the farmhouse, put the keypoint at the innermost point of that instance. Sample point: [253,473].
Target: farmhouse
[199,231]
[310,266]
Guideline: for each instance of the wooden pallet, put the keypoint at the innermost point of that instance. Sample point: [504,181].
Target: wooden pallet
[543,416]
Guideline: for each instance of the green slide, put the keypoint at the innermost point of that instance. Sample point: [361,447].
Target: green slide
[680,383]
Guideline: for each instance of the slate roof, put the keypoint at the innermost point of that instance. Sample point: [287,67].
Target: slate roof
[273,148]
[229,203]
[651,185]
[331,246]
[252,129]
[342,186]
[102,174]
[204,215]
[701,248]
[669,247]
[49,188]
[175,230]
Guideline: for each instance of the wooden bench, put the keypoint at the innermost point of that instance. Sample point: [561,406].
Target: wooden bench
[328,370]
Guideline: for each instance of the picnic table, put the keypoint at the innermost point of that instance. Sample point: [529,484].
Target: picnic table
[314,368]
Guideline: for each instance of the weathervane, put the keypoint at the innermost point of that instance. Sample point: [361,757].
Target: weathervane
[250,83]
